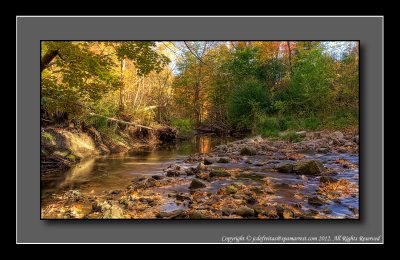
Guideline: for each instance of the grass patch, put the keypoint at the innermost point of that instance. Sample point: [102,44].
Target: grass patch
[48,136]
[292,137]
[184,127]
[71,157]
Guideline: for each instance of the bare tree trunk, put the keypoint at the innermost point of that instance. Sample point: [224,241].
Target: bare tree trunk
[197,105]
[290,56]
[47,58]
[121,89]
[137,93]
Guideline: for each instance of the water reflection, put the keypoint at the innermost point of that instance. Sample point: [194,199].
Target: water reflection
[116,171]
[205,143]
[80,173]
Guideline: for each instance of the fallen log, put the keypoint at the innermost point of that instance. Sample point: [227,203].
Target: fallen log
[122,122]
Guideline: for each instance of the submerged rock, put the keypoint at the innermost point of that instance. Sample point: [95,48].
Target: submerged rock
[316,201]
[142,183]
[196,184]
[308,167]
[219,173]
[327,179]
[252,176]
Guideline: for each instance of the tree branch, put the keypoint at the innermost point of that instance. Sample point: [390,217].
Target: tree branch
[194,54]
[47,58]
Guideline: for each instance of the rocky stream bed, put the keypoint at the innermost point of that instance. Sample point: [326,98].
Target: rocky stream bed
[253,178]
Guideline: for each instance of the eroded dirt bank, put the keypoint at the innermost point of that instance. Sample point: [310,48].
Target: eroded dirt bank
[316,177]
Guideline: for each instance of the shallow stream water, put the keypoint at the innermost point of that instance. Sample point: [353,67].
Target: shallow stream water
[104,174]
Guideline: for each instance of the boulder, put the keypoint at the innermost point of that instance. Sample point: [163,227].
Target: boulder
[336,135]
[284,167]
[284,213]
[250,200]
[244,211]
[209,160]
[173,173]
[201,167]
[224,160]
[248,151]
[308,167]
[226,211]
[196,184]
[197,215]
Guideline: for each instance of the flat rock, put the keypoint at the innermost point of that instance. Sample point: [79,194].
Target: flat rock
[170,214]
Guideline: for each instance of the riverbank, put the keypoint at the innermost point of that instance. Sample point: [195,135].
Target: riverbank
[314,176]
[62,147]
